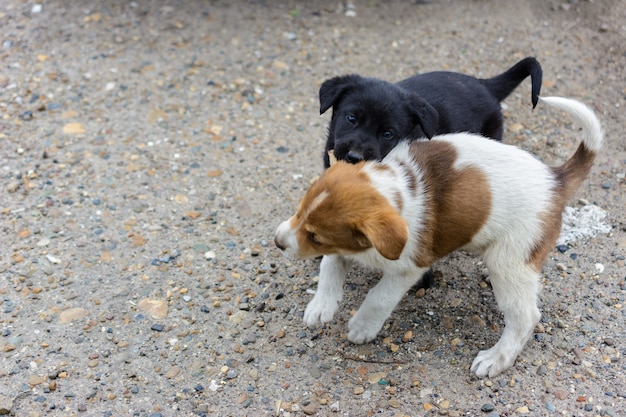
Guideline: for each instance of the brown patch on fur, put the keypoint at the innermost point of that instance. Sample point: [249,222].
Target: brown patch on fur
[408,173]
[458,202]
[381,168]
[398,201]
[574,171]
[551,221]
[352,218]
[569,177]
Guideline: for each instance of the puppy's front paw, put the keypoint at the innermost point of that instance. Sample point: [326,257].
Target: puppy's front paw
[320,310]
[362,330]
[491,362]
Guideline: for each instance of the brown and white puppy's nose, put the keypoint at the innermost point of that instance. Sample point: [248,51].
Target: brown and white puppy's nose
[285,238]
[278,244]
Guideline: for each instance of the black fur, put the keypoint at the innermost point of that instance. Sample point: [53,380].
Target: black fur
[370,116]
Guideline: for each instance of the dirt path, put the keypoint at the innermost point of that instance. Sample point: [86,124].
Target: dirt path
[148,150]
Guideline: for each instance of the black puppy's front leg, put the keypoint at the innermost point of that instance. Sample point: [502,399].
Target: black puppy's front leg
[427,281]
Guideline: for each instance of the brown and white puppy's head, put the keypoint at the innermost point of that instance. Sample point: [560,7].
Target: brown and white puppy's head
[343,214]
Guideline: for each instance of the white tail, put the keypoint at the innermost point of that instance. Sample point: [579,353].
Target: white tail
[592,131]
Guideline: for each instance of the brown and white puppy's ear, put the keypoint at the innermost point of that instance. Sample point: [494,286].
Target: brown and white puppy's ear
[387,231]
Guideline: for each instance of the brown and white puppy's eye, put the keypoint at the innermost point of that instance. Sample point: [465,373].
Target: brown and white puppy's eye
[312,237]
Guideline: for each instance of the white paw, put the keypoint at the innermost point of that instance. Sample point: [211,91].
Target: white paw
[491,362]
[362,331]
[320,310]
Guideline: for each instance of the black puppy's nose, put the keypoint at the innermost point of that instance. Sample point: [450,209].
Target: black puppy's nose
[354,157]
[277,243]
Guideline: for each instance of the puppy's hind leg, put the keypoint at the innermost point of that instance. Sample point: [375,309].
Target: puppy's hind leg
[380,302]
[492,126]
[516,288]
[324,304]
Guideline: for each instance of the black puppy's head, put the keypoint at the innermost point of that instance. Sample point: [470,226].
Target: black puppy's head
[370,116]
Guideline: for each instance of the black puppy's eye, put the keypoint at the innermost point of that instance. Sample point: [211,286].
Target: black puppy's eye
[388,135]
[312,238]
[351,118]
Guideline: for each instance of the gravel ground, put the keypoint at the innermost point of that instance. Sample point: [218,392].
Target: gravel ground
[149,149]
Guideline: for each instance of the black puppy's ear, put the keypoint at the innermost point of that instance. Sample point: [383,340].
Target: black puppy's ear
[333,88]
[424,115]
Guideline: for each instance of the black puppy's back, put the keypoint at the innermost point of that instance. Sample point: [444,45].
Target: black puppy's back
[462,103]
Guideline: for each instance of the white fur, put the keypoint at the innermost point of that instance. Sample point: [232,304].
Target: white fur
[324,304]
[521,192]
[592,130]
[288,236]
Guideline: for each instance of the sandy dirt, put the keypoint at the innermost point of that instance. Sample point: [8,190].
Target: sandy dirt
[149,149]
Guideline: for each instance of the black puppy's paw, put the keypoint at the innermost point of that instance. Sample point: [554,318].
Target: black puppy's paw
[426,282]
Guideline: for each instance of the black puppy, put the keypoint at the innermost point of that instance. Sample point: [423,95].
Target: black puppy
[370,116]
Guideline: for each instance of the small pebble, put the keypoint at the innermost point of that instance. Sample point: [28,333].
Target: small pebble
[560,394]
[172,372]
[315,372]
[53,259]
[158,309]
[311,408]
[487,408]
[157,327]
[13,186]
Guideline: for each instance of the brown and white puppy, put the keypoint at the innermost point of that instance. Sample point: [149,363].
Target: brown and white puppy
[426,199]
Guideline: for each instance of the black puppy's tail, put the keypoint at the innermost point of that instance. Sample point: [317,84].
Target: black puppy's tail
[502,85]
